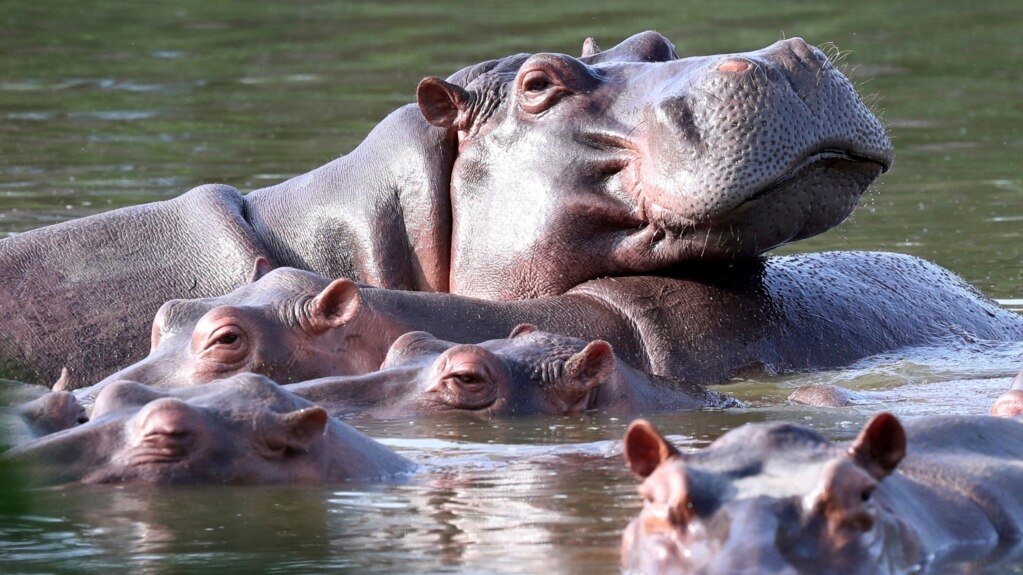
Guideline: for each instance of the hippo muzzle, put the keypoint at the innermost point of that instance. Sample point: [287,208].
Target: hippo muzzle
[750,151]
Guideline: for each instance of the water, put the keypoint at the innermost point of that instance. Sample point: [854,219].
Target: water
[104,104]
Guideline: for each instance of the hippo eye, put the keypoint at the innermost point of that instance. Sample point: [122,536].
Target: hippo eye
[536,81]
[226,345]
[471,381]
[539,91]
[866,494]
[228,336]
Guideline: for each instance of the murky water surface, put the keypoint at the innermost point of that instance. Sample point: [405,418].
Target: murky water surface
[105,104]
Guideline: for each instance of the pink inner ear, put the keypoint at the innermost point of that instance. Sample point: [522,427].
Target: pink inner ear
[594,365]
[303,428]
[440,102]
[645,448]
[336,305]
[260,268]
[881,445]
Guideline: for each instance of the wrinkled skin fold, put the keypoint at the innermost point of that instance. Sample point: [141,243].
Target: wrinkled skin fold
[623,161]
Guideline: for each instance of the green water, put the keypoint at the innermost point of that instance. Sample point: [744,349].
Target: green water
[105,104]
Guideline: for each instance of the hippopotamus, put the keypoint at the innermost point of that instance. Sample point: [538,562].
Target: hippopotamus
[530,372]
[517,177]
[780,498]
[704,326]
[243,429]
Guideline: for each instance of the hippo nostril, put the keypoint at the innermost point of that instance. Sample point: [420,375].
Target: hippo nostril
[734,65]
[676,114]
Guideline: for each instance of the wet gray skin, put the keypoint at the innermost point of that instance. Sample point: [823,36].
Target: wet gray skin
[530,372]
[518,177]
[245,429]
[650,159]
[783,314]
[779,498]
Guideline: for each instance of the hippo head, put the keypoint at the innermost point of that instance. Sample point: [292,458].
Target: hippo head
[767,498]
[245,429]
[531,372]
[632,160]
[284,325]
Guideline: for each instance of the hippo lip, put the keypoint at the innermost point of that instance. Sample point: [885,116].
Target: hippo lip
[809,162]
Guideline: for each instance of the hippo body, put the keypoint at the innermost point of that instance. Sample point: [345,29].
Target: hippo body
[244,429]
[778,498]
[779,314]
[659,161]
[529,373]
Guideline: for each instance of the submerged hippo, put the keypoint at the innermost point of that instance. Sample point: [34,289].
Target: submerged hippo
[531,372]
[244,429]
[788,313]
[779,498]
[517,177]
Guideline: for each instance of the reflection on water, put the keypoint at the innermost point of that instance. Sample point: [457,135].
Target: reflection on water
[103,106]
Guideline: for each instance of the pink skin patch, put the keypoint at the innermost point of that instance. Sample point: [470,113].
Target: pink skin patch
[733,66]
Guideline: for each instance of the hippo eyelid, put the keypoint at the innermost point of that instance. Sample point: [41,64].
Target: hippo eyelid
[232,333]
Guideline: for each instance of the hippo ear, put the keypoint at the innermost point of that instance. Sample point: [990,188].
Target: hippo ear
[63,382]
[260,268]
[593,366]
[442,104]
[880,446]
[335,306]
[646,448]
[300,430]
[646,46]
[590,48]
[522,329]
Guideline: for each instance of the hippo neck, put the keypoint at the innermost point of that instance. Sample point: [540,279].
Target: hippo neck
[380,215]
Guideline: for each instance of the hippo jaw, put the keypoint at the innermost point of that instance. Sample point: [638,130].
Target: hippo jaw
[632,161]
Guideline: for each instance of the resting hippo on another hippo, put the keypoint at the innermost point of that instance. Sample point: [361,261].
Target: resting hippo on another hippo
[531,372]
[517,177]
[245,429]
[781,314]
[778,498]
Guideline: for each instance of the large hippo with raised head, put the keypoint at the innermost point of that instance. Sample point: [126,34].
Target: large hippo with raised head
[245,429]
[518,177]
[703,326]
[779,498]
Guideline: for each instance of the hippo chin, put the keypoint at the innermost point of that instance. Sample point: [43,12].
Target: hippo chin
[779,498]
[518,177]
[245,429]
[531,372]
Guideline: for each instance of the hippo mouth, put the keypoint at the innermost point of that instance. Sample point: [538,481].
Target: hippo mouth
[813,162]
